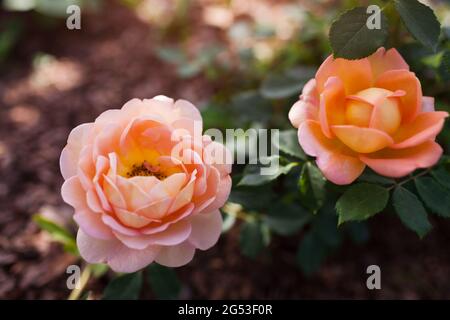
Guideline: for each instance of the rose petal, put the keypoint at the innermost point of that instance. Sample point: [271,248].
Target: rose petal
[119,257]
[382,61]
[337,162]
[427,104]
[332,105]
[176,256]
[174,235]
[92,224]
[73,193]
[206,229]
[406,81]
[69,156]
[363,140]
[426,126]
[355,75]
[400,162]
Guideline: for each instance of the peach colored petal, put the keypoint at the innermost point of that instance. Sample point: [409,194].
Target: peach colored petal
[145,183]
[221,196]
[109,116]
[185,109]
[310,93]
[71,152]
[173,235]
[382,61]
[363,140]
[102,197]
[332,105]
[133,195]
[86,167]
[356,75]
[212,186]
[176,256]
[426,126]
[206,229]
[174,183]
[427,104]
[217,155]
[184,196]
[169,220]
[117,226]
[155,210]
[131,219]
[119,257]
[107,140]
[113,193]
[302,111]
[386,115]
[92,224]
[93,202]
[73,193]
[406,81]
[163,98]
[400,162]
[336,161]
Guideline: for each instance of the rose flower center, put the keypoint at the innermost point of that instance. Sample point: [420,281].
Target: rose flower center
[373,107]
[145,163]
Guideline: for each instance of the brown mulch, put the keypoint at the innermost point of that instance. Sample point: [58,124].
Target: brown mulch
[108,62]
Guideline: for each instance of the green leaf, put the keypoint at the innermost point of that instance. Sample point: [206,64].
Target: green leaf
[442,176]
[312,186]
[288,143]
[411,211]
[286,219]
[253,238]
[287,84]
[350,37]
[311,253]
[436,197]
[163,281]
[361,201]
[57,232]
[420,21]
[253,175]
[124,287]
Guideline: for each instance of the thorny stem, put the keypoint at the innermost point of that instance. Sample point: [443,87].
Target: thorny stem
[410,179]
[81,284]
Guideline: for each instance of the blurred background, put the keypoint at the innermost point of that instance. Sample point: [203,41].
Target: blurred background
[243,63]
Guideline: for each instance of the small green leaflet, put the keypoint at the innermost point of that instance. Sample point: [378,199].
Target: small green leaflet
[411,211]
[350,37]
[420,21]
[361,201]
[435,196]
[311,185]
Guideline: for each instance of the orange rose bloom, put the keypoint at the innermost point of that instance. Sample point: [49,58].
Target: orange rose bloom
[367,112]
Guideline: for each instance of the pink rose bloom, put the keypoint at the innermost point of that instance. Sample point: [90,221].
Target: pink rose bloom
[145,185]
[367,112]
